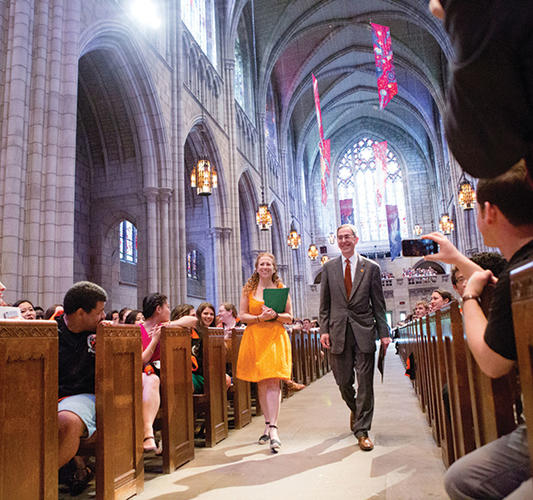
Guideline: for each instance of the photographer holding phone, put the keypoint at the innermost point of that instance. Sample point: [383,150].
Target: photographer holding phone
[505,219]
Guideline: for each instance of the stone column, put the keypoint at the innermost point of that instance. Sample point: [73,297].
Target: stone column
[164,241]
[177,234]
[151,193]
[220,271]
[232,185]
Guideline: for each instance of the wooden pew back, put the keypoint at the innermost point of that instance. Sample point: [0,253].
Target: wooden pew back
[242,398]
[119,421]
[522,304]
[213,402]
[28,409]
[455,353]
[177,414]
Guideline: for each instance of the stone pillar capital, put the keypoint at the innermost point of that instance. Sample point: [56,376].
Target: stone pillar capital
[150,193]
[164,193]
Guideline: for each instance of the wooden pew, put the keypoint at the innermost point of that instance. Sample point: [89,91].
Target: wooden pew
[445,425]
[176,412]
[435,392]
[242,398]
[119,421]
[310,354]
[522,304]
[306,365]
[28,409]
[455,356]
[297,356]
[213,402]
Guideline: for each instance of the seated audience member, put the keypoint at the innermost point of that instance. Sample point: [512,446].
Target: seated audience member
[2,290]
[458,281]
[54,311]
[505,219]
[227,318]
[113,317]
[439,298]
[205,315]
[84,308]
[134,317]
[122,315]
[421,309]
[182,310]
[39,312]
[157,313]
[26,309]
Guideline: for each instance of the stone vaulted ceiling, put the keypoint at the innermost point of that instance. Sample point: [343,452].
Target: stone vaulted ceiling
[333,40]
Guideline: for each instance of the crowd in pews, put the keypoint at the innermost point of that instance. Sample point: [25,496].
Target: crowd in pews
[83,311]
[449,376]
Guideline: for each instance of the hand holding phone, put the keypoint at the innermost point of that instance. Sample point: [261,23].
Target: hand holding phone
[419,248]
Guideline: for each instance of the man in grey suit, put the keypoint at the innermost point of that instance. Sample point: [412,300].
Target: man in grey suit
[352,317]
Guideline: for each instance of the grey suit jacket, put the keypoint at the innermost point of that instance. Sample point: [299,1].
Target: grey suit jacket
[364,309]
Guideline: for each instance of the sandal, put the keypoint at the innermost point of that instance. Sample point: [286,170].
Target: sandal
[80,480]
[275,444]
[265,437]
[150,448]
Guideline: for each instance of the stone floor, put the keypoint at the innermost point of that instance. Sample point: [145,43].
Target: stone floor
[319,458]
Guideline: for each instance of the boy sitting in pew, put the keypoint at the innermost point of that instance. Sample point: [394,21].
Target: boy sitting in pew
[84,308]
[505,219]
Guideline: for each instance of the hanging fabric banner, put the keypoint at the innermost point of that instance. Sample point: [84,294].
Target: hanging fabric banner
[323,145]
[387,85]
[346,207]
[380,157]
[393,225]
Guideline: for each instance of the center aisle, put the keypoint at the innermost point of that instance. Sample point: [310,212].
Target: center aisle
[319,458]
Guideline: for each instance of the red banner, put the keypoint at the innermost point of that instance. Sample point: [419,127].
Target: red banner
[324,146]
[380,157]
[387,85]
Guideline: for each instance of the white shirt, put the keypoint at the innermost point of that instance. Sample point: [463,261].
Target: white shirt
[353,264]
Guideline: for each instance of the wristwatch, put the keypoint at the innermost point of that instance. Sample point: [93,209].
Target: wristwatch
[469,296]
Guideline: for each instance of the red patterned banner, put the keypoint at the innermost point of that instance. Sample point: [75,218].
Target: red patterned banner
[380,157]
[387,85]
[346,207]
[323,145]
[317,108]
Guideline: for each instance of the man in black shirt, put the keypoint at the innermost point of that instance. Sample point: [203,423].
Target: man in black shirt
[84,309]
[505,219]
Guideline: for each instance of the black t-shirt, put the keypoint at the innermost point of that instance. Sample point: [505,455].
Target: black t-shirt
[76,361]
[499,334]
[489,115]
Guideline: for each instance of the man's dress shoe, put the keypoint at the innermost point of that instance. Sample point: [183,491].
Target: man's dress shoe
[365,443]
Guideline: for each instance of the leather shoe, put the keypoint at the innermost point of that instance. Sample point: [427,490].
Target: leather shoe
[352,420]
[365,443]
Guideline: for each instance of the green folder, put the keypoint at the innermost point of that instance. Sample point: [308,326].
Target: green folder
[276,298]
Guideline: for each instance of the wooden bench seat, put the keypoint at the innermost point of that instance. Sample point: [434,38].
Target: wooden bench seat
[522,304]
[28,409]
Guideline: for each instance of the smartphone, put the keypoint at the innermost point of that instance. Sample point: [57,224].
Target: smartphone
[418,248]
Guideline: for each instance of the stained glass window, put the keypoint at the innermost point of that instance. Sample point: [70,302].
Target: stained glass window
[199,17]
[239,74]
[271,135]
[357,188]
[192,265]
[128,242]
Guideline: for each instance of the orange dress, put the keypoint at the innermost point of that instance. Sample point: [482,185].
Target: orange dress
[265,350]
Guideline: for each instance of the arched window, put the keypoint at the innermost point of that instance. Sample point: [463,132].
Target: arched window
[271,134]
[357,183]
[239,74]
[199,17]
[128,242]
[196,286]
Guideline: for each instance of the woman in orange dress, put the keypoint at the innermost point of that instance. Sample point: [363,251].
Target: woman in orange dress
[265,351]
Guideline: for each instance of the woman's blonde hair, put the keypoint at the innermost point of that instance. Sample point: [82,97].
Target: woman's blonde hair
[253,281]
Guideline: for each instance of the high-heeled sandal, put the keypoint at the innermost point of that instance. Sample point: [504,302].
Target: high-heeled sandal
[275,444]
[265,437]
[149,448]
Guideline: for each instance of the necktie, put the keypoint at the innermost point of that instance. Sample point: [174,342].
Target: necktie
[348,278]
